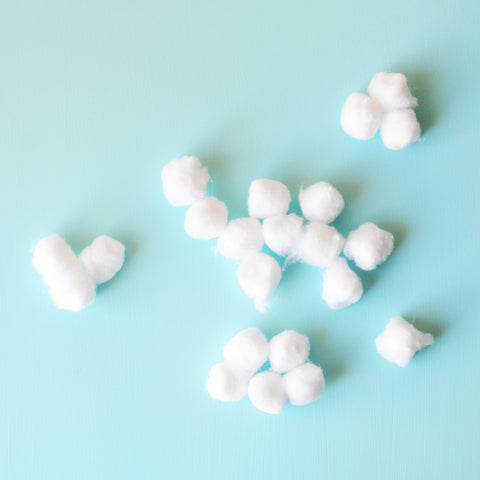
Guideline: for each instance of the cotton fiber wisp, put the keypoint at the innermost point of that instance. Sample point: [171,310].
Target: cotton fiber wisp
[267,198]
[321,202]
[341,286]
[288,350]
[206,218]
[361,116]
[368,246]
[399,129]
[282,233]
[390,90]
[267,393]
[304,384]
[226,384]
[400,340]
[184,181]
[240,238]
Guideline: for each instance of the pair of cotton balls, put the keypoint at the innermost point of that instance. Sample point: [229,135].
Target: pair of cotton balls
[388,107]
[291,375]
[72,280]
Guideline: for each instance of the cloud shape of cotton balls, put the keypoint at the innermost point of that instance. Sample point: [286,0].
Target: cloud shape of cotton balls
[388,106]
[72,280]
[291,377]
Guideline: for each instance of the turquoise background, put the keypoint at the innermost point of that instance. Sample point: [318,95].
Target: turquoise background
[95,97]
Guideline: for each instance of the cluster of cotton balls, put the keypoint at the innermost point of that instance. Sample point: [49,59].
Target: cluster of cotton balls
[389,106]
[291,375]
[73,280]
[287,235]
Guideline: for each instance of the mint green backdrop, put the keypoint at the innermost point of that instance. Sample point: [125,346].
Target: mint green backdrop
[95,97]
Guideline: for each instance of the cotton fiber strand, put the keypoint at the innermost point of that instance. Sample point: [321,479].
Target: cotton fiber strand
[304,384]
[267,198]
[361,116]
[288,350]
[390,90]
[184,181]
[400,340]
[321,202]
[226,384]
[267,393]
[240,238]
[206,218]
[282,233]
[399,129]
[341,286]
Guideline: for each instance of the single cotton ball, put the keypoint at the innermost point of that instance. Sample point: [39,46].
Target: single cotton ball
[319,245]
[399,129]
[288,350]
[267,198]
[75,292]
[400,340]
[368,246]
[259,275]
[226,384]
[282,233]
[321,202]
[341,285]
[247,350]
[206,218]
[240,238]
[304,384]
[391,91]
[103,258]
[184,181]
[267,393]
[361,116]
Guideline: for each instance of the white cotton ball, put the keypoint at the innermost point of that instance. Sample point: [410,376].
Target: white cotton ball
[282,233]
[341,285]
[399,129]
[75,292]
[321,202]
[103,258]
[361,116]
[267,198]
[267,393]
[304,384]
[259,275]
[400,340]
[319,245]
[226,384]
[241,237]
[288,350]
[247,350]
[368,246]
[184,181]
[391,91]
[206,218]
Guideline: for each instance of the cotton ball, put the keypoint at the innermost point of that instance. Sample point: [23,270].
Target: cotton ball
[267,198]
[288,350]
[226,384]
[184,181]
[319,245]
[103,258]
[400,340]
[241,237]
[282,233]
[321,202]
[304,384]
[361,116]
[247,350]
[341,285]
[399,129]
[267,393]
[259,275]
[75,292]
[391,91]
[206,218]
[368,246]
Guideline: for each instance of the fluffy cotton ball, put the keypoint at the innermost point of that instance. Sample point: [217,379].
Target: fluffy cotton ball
[226,384]
[399,129]
[206,218]
[267,198]
[288,350]
[240,238]
[282,233]
[319,245]
[75,291]
[368,246]
[391,91]
[341,285]
[267,393]
[400,340]
[103,258]
[304,384]
[321,202]
[361,116]
[184,181]
[247,350]
[259,275]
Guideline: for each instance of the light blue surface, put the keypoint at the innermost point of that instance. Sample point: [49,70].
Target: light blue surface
[95,97]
